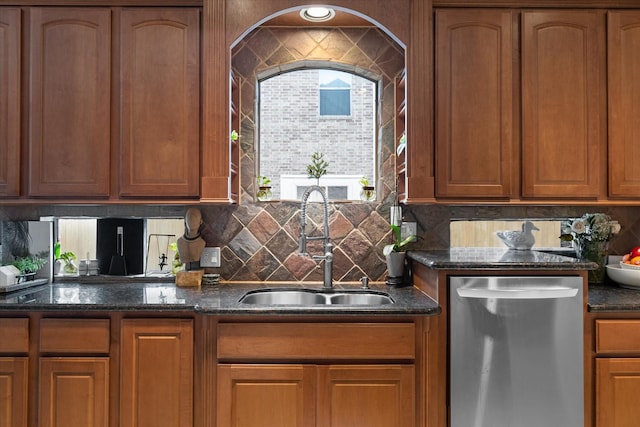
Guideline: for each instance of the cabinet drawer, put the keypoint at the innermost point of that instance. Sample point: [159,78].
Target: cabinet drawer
[307,341]
[618,336]
[15,335]
[74,336]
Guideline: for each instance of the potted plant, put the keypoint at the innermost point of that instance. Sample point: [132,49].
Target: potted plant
[367,192]
[28,267]
[318,166]
[264,193]
[69,268]
[395,255]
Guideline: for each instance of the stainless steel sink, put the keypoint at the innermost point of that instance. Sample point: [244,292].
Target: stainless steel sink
[361,299]
[312,297]
[283,297]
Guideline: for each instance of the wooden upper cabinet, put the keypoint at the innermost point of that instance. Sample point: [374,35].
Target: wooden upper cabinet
[160,102]
[563,104]
[9,102]
[474,103]
[624,104]
[69,124]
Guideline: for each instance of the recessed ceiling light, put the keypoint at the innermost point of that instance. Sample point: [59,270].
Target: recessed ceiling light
[317,14]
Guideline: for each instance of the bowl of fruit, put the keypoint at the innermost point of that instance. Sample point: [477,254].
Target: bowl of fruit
[626,273]
[631,260]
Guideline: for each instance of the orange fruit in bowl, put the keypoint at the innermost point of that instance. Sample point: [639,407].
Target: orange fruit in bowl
[635,260]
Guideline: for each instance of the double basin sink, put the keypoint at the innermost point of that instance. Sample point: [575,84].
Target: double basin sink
[313,297]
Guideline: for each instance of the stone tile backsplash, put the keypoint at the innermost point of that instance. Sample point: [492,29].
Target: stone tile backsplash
[260,241]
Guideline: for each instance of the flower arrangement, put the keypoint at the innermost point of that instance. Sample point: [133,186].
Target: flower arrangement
[592,227]
[590,235]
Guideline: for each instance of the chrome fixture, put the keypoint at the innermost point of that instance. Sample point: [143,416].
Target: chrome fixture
[317,14]
[328,247]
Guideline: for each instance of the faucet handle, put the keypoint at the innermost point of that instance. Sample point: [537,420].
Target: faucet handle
[365,282]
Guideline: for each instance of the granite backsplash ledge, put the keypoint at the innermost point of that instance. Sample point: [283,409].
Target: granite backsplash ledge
[259,241]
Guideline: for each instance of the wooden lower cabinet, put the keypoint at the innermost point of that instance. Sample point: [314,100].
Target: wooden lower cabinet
[156,373]
[366,395]
[266,395]
[73,392]
[617,367]
[257,395]
[617,391]
[13,391]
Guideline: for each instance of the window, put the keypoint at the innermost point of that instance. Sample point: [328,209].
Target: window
[335,93]
[291,129]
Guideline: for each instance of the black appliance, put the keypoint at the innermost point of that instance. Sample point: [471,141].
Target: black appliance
[127,251]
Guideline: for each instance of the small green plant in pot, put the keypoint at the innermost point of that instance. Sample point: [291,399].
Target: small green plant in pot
[264,192]
[318,166]
[69,267]
[395,254]
[367,192]
[29,266]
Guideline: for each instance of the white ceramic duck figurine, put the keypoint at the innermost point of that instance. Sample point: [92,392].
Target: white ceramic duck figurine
[521,240]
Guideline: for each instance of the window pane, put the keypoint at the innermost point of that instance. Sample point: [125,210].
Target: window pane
[335,102]
[337,193]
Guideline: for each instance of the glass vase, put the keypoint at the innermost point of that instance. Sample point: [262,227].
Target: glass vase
[596,252]
[264,193]
[367,194]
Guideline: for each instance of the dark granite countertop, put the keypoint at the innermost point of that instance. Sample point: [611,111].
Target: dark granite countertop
[612,298]
[609,297]
[497,259]
[217,299]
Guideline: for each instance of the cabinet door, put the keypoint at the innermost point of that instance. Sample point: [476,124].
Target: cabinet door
[624,104]
[156,373]
[372,396]
[617,391]
[69,127]
[9,102]
[266,395]
[160,99]
[563,103]
[474,104]
[74,392]
[13,391]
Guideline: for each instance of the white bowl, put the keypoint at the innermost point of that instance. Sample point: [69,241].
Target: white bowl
[627,278]
[629,266]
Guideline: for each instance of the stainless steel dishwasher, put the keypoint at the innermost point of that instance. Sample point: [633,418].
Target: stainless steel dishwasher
[516,351]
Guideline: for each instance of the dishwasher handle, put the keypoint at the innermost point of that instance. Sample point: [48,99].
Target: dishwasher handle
[519,292]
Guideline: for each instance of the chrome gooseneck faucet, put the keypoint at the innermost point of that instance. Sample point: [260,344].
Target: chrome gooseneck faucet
[328,247]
